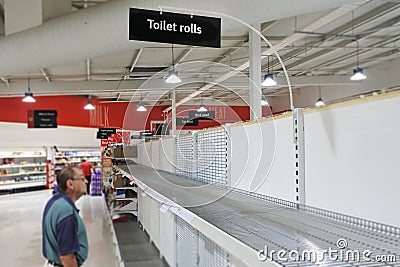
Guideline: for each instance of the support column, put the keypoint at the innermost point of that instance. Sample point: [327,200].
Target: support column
[173,132]
[195,157]
[299,150]
[255,73]
[227,128]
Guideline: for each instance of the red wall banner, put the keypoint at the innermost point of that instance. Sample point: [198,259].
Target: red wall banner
[118,115]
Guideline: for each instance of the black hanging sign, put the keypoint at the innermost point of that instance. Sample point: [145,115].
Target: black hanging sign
[42,118]
[202,115]
[144,134]
[186,122]
[167,27]
[104,133]
[100,135]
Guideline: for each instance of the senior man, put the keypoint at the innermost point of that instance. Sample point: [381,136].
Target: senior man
[64,239]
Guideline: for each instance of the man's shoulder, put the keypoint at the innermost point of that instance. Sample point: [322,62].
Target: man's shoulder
[61,204]
[57,209]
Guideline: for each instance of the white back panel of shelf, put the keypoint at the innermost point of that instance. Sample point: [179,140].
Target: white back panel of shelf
[167,155]
[154,227]
[167,237]
[148,158]
[141,153]
[351,159]
[143,207]
[262,158]
[155,155]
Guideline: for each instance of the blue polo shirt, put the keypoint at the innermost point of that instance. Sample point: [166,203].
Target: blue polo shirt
[63,231]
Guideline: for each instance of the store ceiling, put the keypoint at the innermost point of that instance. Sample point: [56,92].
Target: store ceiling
[317,49]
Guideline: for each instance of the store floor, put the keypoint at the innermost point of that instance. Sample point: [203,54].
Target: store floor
[20,230]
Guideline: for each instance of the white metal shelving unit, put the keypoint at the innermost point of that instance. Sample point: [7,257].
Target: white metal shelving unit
[22,168]
[130,203]
[74,156]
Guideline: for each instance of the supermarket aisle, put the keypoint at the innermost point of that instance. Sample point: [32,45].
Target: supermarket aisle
[20,230]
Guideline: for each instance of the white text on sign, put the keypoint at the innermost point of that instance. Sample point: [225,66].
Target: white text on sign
[173,27]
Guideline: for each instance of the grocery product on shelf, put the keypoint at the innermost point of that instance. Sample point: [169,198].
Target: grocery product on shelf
[95,187]
[22,169]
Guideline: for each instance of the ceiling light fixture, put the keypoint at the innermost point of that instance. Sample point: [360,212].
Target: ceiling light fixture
[320,102]
[28,95]
[358,73]
[89,105]
[202,108]
[172,74]
[173,77]
[269,78]
[264,101]
[141,107]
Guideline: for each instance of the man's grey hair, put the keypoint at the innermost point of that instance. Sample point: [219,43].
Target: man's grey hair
[65,175]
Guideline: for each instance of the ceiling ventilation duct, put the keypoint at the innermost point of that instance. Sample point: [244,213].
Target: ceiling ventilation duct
[103,29]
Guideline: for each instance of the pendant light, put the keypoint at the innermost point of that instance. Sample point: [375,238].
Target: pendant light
[264,101]
[202,107]
[268,78]
[141,107]
[28,95]
[172,74]
[89,105]
[320,102]
[358,73]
